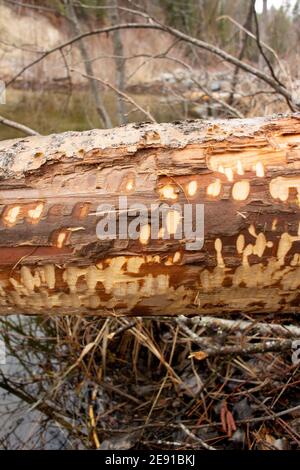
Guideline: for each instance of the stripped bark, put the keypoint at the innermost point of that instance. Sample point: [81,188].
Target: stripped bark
[245,172]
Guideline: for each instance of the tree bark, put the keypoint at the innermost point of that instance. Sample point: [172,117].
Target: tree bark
[246,173]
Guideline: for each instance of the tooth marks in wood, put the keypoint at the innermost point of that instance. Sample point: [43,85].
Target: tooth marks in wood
[246,173]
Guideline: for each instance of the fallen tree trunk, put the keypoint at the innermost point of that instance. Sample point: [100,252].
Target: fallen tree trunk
[246,174]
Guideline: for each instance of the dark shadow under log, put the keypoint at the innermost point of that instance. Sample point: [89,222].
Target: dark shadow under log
[246,174]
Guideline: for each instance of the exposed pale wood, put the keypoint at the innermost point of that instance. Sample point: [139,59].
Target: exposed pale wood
[245,172]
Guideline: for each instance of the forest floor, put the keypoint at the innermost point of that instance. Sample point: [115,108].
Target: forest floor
[132,383]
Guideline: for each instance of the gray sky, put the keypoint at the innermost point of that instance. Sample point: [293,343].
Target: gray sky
[275,3]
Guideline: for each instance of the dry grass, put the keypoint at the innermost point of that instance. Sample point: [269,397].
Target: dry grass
[134,383]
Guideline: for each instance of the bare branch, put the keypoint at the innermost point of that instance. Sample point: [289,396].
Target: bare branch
[279,345]
[178,34]
[259,45]
[252,36]
[32,6]
[18,126]
[223,103]
[76,29]
[196,438]
[247,326]
[119,92]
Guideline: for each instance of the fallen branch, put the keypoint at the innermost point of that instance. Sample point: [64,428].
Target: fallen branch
[54,256]
[243,326]
[249,348]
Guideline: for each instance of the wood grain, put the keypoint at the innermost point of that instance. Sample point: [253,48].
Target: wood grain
[245,172]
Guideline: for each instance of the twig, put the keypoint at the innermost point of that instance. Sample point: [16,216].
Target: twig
[195,438]
[259,45]
[270,417]
[119,92]
[31,5]
[252,348]
[241,53]
[223,103]
[18,126]
[44,408]
[121,329]
[245,326]
[252,36]
[176,33]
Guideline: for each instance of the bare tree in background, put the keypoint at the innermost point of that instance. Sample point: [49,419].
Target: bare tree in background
[245,40]
[118,52]
[263,29]
[76,31]
[274,83]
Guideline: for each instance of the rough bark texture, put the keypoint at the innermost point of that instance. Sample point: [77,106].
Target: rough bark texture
[245,172]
